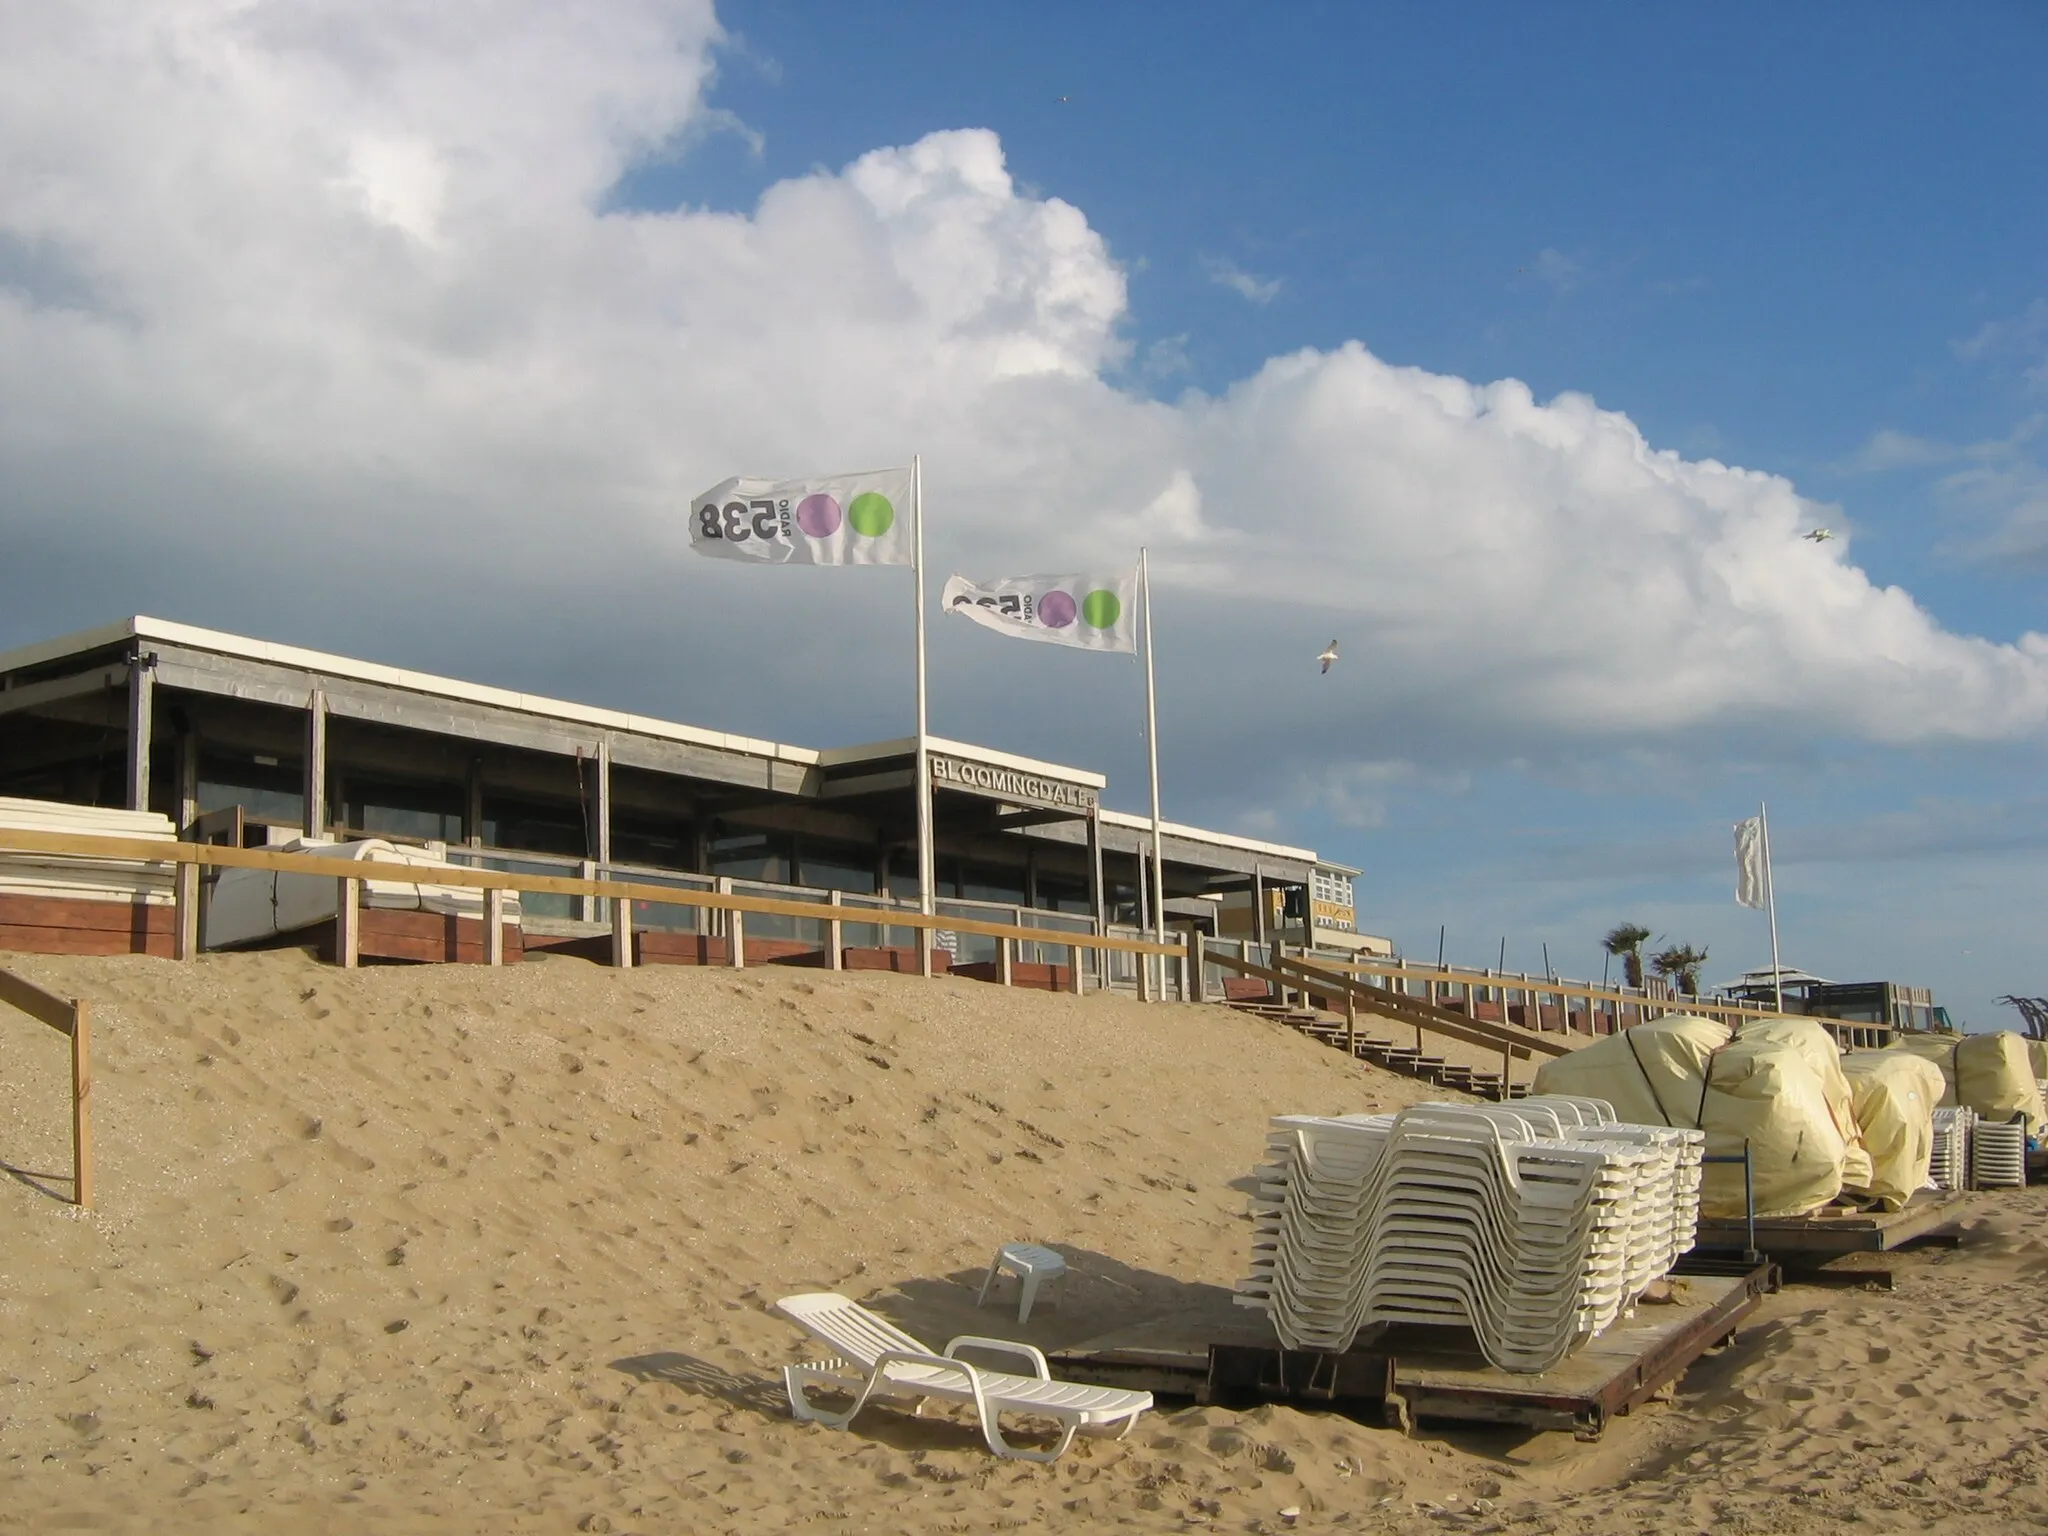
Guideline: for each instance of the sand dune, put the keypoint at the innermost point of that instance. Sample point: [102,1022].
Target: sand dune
[448,1249]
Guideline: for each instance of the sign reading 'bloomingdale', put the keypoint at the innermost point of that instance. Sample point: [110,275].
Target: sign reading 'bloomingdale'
[1010,784]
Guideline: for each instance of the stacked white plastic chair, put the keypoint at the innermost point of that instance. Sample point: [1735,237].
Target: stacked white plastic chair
[1950,1161]
[1536,1224]
[1998,1154]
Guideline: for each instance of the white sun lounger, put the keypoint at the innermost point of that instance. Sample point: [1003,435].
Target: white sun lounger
[875,1358]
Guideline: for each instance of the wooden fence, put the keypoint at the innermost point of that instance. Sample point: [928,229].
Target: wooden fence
[190,858]
[71,1017]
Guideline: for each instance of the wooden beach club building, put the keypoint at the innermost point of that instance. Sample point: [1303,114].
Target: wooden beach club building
[243,741]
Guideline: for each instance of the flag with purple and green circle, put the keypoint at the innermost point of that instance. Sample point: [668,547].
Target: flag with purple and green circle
[1096,613]
[858,519]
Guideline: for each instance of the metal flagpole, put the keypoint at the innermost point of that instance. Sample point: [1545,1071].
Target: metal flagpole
[1771,902]
[1152,746]
[925,877]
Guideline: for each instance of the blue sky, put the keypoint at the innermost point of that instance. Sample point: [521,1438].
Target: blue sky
[504,288]
[1767,234]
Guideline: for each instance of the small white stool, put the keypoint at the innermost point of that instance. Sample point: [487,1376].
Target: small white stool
[1031,1264]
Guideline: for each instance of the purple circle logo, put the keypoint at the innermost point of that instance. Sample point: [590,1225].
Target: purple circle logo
[1056,610]
[818,516]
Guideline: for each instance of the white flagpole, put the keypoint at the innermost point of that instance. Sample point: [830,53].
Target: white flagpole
[1152,746]
[925,876]
[1771,902]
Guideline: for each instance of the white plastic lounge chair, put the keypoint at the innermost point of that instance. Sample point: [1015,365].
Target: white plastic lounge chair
[875,1358]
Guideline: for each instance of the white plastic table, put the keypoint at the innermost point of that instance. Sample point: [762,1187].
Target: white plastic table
[1032,1265]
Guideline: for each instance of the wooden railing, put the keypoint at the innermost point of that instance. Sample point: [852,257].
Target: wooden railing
[1535,987]
[1314,979]
[191,858]
[68,1016]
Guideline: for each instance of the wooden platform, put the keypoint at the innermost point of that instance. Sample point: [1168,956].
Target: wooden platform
[1805,1241]
[1403,1375]
[59,925]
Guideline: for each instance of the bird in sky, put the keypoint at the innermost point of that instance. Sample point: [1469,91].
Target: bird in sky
[1821,535]
[1329,656]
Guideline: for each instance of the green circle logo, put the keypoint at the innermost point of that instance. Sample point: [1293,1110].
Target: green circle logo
[1100,609]
[870,514]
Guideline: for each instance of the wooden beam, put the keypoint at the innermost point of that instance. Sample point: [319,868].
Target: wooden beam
[141,713]
[81,1104]
[494,927]
[185,945]
[314,787]
[348,922]
[622,934]
[45,1007]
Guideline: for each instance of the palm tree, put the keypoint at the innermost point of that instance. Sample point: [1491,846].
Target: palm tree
[2034,1010]
[1626,941]
[1680,965]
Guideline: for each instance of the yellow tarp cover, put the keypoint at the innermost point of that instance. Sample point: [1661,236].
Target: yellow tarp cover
[1896,1092]
[1775,1086]
[1992,1074]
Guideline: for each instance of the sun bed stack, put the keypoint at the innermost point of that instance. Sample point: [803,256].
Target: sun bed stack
[1950,1161]
[71,878]
[1536,1225]
[1998,1154]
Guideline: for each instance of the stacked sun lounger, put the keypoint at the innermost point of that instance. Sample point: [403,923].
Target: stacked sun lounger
[1950,1161]
[1535,1224]
[1998,1154]
[72,878]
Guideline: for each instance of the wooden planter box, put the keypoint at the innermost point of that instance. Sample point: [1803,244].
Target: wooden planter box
[57,925]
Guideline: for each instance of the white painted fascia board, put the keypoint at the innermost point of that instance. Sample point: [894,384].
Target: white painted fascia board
[1199,835]
[451,688]
[834,757]
[67,645]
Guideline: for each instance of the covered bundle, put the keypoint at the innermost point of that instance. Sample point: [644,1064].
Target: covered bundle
[1777,1086]
[1991,1074]
[1896,1094]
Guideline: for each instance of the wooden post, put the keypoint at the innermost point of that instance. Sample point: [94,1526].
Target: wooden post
[1004,964]
[348,923]
[622,933]
[186,943]
[1144,977]
[81,1104]
[141,712]
[1074,969]
[314,785]
[1350,1023]
[494,927]
[1197,982]
[835,940]
[187,783]
[736,938]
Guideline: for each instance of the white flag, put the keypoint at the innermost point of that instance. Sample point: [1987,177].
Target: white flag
[1097,613]
[861,519]
[1751,875]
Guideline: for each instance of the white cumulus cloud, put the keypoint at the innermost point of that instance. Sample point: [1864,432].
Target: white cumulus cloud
[320,299]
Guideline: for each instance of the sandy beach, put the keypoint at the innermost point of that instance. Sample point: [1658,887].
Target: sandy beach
[447,1249]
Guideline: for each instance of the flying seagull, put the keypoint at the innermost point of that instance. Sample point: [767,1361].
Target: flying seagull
[1821,535]
[1329,656]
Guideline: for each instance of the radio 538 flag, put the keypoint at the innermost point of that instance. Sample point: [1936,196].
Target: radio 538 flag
[1095,613]
[860,519]
[1752,874]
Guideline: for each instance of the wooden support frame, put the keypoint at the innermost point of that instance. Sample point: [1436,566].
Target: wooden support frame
[348,922]
[494,927]
[622,933]
[72,1017]
[186,889]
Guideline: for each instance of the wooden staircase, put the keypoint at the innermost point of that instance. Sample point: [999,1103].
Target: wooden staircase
[1406,1060]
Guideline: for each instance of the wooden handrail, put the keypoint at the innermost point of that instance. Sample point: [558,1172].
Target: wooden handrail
[1412,1010]
[1676,1003]
[205,855]
[71,1017]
